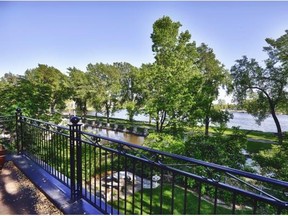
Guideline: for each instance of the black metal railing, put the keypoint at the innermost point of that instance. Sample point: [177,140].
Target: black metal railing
[122,178]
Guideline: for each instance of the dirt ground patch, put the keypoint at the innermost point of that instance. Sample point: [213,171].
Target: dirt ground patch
[19,196]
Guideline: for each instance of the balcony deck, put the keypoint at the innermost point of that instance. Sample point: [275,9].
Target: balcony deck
[54,190]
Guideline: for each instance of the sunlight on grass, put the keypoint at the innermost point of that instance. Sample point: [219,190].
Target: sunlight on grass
[178,202]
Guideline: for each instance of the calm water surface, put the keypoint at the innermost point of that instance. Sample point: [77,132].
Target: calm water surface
[247,121]
[243,120]
[127,137]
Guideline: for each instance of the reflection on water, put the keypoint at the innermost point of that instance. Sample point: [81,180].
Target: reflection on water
[127,137]
[243,120]
[247,121]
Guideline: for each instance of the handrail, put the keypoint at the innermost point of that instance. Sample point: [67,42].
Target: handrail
[195,161]
[180,157]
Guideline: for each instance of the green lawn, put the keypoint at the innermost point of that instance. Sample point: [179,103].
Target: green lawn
[255,147]
[258,135]
[192,203]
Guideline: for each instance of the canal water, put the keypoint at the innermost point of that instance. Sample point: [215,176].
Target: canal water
[241,119]
[124,136]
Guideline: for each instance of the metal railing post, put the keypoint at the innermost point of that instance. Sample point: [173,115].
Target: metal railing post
[75,158]
[19,131]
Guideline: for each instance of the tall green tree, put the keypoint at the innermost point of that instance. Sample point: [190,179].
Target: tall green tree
[264,88]
[16,91]
[214,76]
[174,67]
[51,78]
[147,90]
[130,92]
[81,89]
[105,88]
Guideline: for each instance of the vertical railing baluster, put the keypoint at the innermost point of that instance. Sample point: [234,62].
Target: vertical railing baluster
[79,160]
[100,174]
[279,210]
[199,197]
[95,174]
[68,167]
[185,196]
[47,149]
[112,175]
[19,131]
[151,187]
[63,158]
[57,155]
[85,170]
[41,147]
[75,163]
[215,199]
[54,143]
[161,191]
[106,181]
[90,171]
[118,177]
[255,207]
[173,193]
[142,187]
[133,187]
[125,185]
[233,203]
[72,161]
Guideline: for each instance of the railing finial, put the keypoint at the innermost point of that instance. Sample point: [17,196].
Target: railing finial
[18,110]
[74,120]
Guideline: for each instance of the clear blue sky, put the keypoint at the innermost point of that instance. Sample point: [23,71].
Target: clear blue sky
[67,34]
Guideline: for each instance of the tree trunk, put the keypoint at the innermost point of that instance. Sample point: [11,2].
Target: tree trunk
[162,120]
[278,126]
[157,122]
[84,110]
[108,113]
[52,108]
[131,115]
[206,121]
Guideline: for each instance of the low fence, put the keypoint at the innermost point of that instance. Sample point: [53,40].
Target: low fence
[121,178]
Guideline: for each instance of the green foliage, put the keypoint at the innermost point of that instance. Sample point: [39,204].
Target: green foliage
[54,81]
[214,75]
[263,90]
[105,87]
[165,142]
[168,94]
[32,98]
[274,161]
[81,90]
[131,94]
[38,93]
[219,149]
[224,150]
